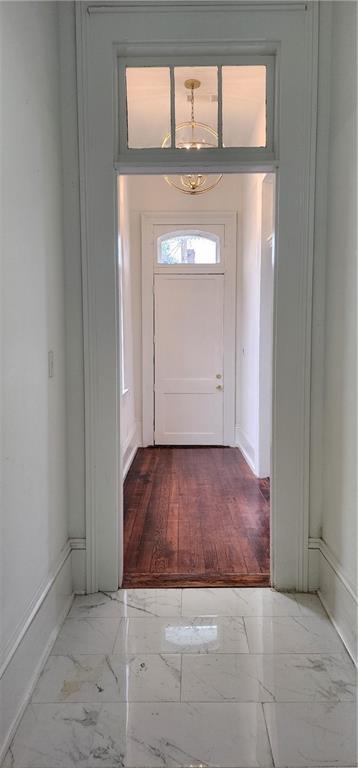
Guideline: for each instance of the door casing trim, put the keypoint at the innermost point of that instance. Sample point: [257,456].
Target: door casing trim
[98,243]
[177,220]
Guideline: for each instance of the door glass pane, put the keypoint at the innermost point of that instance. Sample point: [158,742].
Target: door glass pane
[148,106]
[196,107]
[190,248]
[244,106]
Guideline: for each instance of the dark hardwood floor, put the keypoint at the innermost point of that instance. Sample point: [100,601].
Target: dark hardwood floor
[195,517]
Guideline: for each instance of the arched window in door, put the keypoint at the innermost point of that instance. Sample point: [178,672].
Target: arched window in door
[188,247]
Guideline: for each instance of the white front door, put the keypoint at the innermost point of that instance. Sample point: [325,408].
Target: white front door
[189,359]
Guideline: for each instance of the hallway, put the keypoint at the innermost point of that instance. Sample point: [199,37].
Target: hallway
[195,516]
[178,267]
[212,677]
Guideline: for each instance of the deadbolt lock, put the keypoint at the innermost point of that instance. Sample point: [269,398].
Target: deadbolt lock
[218,376]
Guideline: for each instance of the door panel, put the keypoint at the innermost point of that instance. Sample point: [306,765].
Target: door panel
[188,359]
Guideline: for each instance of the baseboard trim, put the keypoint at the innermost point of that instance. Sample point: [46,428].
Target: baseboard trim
[244,445]
[338,596]
[78,562]
[77,543]
[130,448]
[341,632]
[333,562]
[30,649]
[33,610]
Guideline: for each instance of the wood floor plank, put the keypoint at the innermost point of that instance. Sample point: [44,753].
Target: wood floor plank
[195,516]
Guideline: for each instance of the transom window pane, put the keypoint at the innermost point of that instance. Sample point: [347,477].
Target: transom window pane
[148,106]
[244,106]
[196,107]
[190,248]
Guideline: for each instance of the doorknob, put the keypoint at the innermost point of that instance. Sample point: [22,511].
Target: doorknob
[219,386]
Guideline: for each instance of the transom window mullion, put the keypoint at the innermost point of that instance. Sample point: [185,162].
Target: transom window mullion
[172,108]
[220,107]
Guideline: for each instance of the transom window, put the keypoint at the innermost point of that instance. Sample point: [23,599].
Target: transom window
[203,107]
[185,248]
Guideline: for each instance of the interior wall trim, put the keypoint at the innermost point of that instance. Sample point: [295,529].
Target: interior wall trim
[327,553]
[32,645]
[210,5]
[33,609]
[228,223]
[296,42]
[78,563]
[338,595]
[77,543]
[130,447]
[88,303]
[244,446]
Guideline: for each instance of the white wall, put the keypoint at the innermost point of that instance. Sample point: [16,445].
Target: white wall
[130,430]
[34,525]
[249,320]
[255,286]
[334,510]
[267,254]
[339,441]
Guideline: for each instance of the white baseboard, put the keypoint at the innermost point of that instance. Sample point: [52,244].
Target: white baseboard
[246,449]
[338,595]
[314,557]
[31,647]
[78,560]
[131,446]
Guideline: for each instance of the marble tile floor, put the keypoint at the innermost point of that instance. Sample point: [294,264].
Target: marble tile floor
[232,678]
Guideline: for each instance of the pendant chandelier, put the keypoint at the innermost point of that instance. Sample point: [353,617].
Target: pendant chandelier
[193,135]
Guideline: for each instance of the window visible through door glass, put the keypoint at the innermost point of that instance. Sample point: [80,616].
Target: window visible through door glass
[188,249]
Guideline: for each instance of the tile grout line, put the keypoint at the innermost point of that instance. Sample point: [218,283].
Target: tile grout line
[228,703]
[202,653]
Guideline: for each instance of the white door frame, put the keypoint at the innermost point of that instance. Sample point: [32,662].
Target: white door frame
[227,267]
[290,31]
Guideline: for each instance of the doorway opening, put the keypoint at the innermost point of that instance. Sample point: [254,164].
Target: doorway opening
[196,281]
